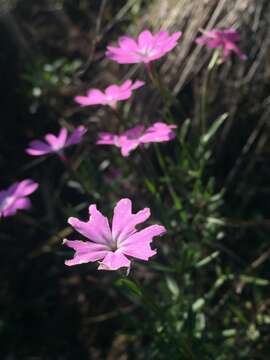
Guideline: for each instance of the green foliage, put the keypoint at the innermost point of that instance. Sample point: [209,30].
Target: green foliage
[198,314]
[46,81]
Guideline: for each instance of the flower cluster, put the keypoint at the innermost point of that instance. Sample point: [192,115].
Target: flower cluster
[114,246]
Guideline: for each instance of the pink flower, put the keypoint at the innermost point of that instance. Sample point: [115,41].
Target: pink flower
[225,39]
[111,95]
[146,48]
[131,139]
[15,197]
[56,144]
[112,247]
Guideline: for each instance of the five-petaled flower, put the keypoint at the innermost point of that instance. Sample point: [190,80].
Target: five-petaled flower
[146,48]
[224,39]
[111,95]
[131,139]
[113,246]
[15,197]
[56,144]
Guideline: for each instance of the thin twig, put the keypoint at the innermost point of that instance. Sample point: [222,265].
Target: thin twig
[96,39]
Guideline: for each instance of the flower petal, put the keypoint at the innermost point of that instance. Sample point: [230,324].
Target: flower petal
[94,97]
[145,39]
[126,85]
[176,36]
[106,138]
[127,43]
[138,244]
[96,229]
[114,261]
[112,90]
[85,251]
[168,45]
[118,55]
[17,204]
[134,133]
[137,84]
[52,141]
[127,145]
[124,222]
[232,35]
[158,132]
[62,137]
[201,40]
[229,46]
[76,136]
[37,148]
[23,188]
[115,92]
[160,37]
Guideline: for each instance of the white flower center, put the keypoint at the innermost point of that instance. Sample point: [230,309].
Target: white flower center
[116,241]
[111,100]
[146,52]
[57,146]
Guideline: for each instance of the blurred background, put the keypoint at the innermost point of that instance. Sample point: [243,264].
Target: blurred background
[54,50]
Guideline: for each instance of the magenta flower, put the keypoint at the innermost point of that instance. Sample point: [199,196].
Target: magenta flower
[224,39]
[131,139]
[113,247]
[56,144]
[146,48]
[111,95]
[15,197]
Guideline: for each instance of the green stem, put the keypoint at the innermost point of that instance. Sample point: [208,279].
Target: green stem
[167,98]
[176,200]
[204,95]
[204,103]
[119,116]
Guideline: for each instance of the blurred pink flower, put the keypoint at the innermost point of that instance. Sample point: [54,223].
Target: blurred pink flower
[111,95]
[15,197]
[225,39]
[112,247]
[56,144]
[146,48]
[131,139]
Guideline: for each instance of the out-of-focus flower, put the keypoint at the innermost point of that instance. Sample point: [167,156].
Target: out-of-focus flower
[225,39]
[113,247]
[56,144]
[15,197]
[146,48]
[111,95]
[131,139]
